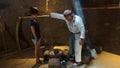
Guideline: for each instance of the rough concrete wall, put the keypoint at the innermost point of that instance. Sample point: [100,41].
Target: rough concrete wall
[11,9]
[103,25]
[104,28]
[94,3]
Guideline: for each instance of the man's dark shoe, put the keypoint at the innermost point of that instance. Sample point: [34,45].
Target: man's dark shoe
[38,62]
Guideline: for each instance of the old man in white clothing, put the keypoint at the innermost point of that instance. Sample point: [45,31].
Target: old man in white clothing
[77,36]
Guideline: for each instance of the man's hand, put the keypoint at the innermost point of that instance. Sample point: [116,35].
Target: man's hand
[81,41]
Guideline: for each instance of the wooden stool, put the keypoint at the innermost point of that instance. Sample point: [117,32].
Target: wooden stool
[54,63]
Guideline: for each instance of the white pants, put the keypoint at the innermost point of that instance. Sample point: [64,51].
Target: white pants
[78,50]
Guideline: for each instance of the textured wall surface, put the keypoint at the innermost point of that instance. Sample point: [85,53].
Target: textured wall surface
[52,30]
[94,3]
[103,24]
[104,28]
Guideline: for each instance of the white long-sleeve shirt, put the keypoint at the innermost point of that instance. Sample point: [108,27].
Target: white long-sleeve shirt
[75,26]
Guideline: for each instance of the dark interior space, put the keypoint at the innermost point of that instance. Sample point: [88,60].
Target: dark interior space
[101,18]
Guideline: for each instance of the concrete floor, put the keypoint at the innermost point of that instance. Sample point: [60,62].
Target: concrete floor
[26,59]
[103,60]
